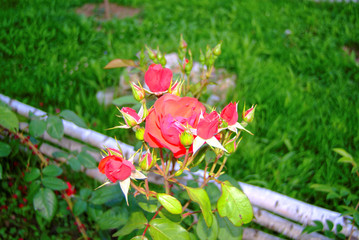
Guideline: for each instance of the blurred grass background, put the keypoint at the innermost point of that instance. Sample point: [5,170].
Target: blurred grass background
[288,57]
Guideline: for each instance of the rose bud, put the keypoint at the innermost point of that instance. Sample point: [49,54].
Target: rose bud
[151,54]
[137,91]
[208,126]
[140,132]
[248,115]
[131,117]
[147,162]
[176,88]
[183,44]
[202,58]
[116,168]
[217,49]
[231,146]
[158,79]
[230,114]
[186,139]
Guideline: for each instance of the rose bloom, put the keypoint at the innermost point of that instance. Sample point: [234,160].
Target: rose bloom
[158,79]
[230,114]
[116,168]
[168,119]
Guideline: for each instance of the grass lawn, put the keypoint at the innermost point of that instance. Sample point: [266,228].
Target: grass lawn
[288,57]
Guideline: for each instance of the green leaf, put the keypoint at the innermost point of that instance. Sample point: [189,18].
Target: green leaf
[139,238]
[32,175]
[105,194]
[52,171]
[118,63]
[235,205]
[172,217]
[55,128]
[137,220]
[356,218]
[330,224]
[347,160]
[8,119]
[75,164]
[213,192]
[5,149]
[149,205]
[226,177]
[60,154]
[85,193]
[113,218]
[72,117]
[87,160]
[37,127]
[170,203]
[227,231]
[54,183]
[80,206]
[163,229]
[125,100]
[200,196]
[45,203]
[205,233]
[322,187]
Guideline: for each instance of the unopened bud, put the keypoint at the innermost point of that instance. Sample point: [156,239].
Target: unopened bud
[131,117]
[217,49]
[176,88]
[248,115]
[151,54]
[140,132]
[202,58]
[147,162]
[183,44]
[186,139]
[231,146]
[138,91]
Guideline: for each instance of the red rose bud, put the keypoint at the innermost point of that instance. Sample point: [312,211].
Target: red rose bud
[189,65]
[217,49]
[131,117]
[231,146]
[248,115]
[116,168]
[147,162]
[183,44]
[137,91]
[70,189]
[158,79]
[186,139]
[140,132]
[176,88]
[151,54]
[230,114]
[208,126]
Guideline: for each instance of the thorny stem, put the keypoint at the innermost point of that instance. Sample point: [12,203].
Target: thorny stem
[80,226]
[147,188]
[143,191]
[164,173]
[154,216]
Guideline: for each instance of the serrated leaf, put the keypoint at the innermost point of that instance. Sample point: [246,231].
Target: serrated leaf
[118,63]
[226,177]
[149,205]
[170,203]
[137,220]
[5,149]
[205,233]
[235,205]
[37,127]
[177,218]
[54,183]
[45,203]
[200,196]
[87,160]
[52,171]
[72,117]
[163,229]
[8,119]
[113,218]
[227,231]
[60,154]
[106,194]
[55,128]
[85,193]
[32,175]
[80,207]
[75,164]
[125,100]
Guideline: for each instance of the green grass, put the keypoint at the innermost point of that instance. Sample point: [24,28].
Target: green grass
[305,85]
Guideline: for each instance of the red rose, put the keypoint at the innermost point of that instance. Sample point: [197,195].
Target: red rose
[70,189]
[116,168]
[230,114]
[168,119]
[158,79]
[208,126]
